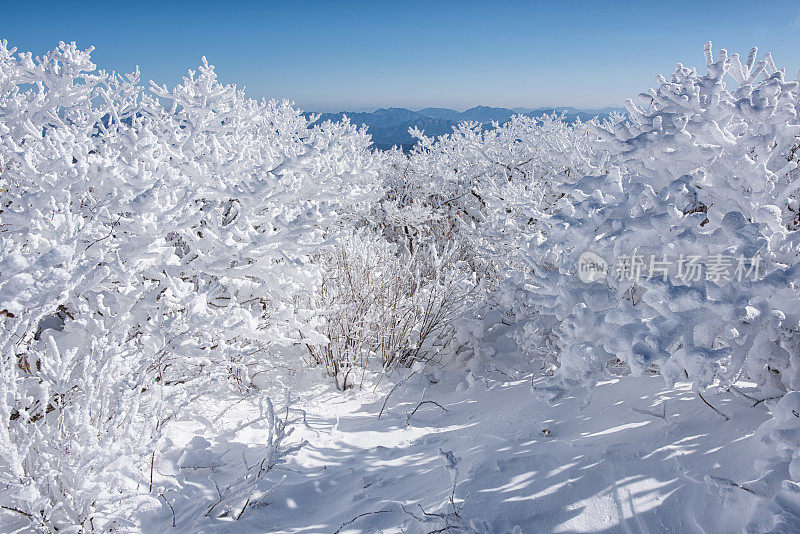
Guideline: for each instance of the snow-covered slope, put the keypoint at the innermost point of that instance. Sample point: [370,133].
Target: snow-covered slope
[638,458]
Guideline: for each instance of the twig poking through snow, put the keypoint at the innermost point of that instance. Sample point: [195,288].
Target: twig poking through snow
[452,519]
[715,409]
[409,416]
[743,394]
[765,399]
[12,509]
[721,482]
[152,466]
[219,499]
[171,509]
[651,413]
[750,397]
[359,516]
[392,391]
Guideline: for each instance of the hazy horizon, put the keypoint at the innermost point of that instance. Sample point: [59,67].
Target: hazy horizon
[370,109]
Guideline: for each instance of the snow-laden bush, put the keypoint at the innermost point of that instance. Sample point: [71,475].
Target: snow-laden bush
[706,168]
[483,187]
[378,304]
[75,433]
[73,369]
[488,193]
[473,196]
[152,244]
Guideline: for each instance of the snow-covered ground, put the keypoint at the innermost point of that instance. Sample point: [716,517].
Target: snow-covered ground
[612,465]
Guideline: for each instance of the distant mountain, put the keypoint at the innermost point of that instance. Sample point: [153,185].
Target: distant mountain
[389,126]
[441,113]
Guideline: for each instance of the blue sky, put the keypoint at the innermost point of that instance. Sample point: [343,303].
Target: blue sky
[355,55]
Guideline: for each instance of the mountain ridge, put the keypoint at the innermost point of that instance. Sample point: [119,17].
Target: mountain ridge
[389,126]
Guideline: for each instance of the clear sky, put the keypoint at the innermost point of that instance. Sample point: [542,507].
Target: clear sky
[331,56]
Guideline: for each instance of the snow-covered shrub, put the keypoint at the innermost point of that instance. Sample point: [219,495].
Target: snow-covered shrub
[486,193]
[74,434]
[152,247]
[484,186]
[73,367]
[258,192]
[381,304]
[700,170]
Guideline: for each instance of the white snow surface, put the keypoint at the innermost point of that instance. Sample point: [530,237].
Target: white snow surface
[606,466]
